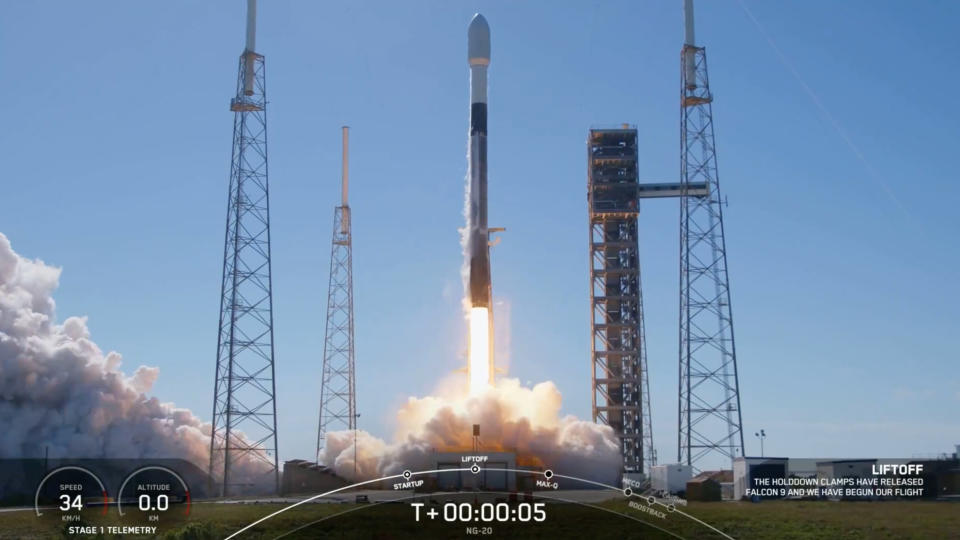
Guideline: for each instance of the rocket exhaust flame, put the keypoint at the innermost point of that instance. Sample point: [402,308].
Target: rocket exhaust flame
[479,370]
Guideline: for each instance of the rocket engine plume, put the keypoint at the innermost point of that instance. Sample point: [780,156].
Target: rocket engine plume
[480,376]
[477,248]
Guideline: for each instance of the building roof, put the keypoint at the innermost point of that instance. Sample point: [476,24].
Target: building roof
[716,476]
[839,461]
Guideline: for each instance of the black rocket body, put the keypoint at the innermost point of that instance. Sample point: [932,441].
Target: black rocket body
[478,56]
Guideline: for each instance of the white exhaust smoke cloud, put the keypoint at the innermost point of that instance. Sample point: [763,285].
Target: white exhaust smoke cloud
[512,418]
[59,391]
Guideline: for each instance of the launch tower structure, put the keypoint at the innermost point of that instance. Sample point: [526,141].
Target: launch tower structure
[709,391]
[244,405]
[710,423]
[620,398]
[338,396]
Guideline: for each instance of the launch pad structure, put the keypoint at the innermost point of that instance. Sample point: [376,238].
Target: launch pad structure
[338,394]
[709,417]
[709,414]
[244,384]
[620,387]
[617,348]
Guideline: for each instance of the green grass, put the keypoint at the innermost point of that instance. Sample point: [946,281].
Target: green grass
[781,520]
[803,520]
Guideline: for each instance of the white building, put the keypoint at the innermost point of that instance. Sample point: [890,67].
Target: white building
[670,478]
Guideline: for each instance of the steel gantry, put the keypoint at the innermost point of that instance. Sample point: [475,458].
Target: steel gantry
[618,351]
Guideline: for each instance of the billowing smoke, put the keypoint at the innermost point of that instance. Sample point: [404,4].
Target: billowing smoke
[512,418]
[60,392]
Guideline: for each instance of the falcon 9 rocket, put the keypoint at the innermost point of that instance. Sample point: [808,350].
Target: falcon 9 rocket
[480,367]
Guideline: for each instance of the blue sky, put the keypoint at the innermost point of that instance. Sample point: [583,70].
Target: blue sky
[115,145]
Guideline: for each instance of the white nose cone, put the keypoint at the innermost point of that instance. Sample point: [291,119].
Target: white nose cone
[478,41]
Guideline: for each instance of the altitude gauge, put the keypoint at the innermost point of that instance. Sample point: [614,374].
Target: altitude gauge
[70,494]
[153,495]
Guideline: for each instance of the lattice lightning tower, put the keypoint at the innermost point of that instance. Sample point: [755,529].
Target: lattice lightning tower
[244,405]
[710,423]
[338,397]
